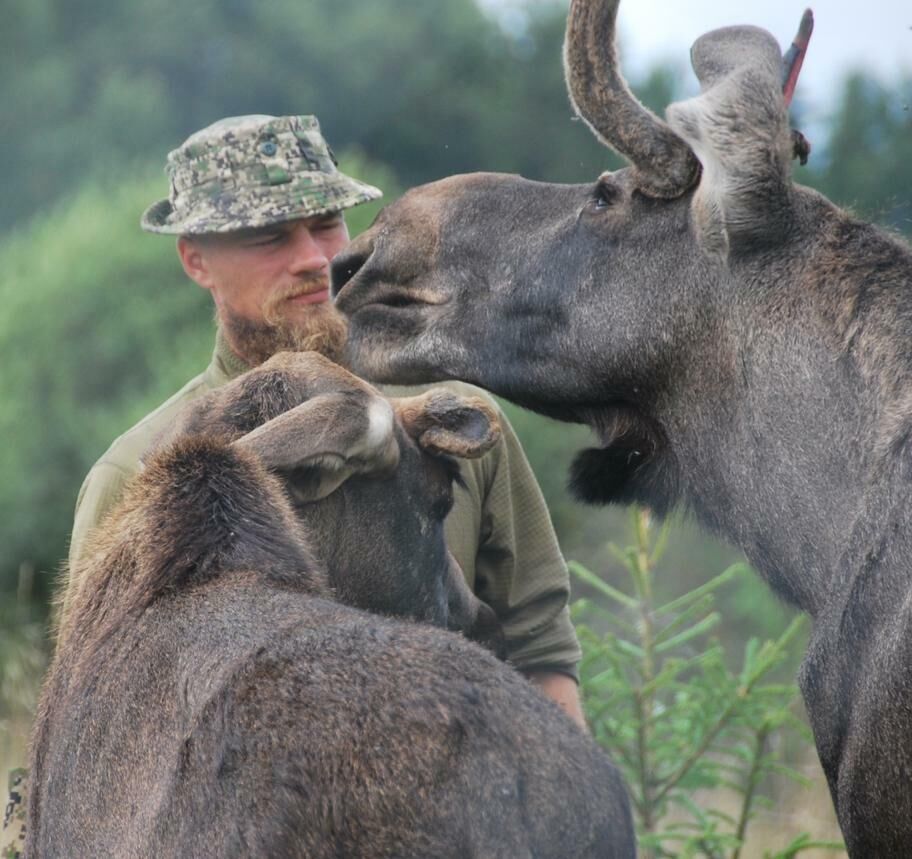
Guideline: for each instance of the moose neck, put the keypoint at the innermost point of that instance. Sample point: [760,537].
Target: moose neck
[782,435]
[774,462]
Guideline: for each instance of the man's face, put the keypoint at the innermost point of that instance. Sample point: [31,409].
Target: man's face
[271,285]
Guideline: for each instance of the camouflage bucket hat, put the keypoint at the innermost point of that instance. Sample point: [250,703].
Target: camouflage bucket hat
[252,171]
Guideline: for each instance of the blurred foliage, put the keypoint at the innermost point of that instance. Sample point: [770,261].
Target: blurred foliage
[661,698]
[869,152]
[23,659]
[100,325]
[91,87]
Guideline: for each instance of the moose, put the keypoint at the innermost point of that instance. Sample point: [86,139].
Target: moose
[739,345]
[212,694]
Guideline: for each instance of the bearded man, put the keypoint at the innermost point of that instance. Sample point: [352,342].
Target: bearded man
[257,203]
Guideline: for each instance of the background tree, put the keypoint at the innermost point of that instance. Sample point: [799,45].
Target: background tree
[90,87]
[866,163]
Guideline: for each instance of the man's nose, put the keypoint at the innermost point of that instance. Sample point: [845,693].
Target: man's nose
[307,254]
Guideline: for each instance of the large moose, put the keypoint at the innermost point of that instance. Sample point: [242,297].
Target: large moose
[212,696]
[739,345]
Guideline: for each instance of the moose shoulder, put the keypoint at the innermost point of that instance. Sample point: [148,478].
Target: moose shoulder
[213,696]
[739,345]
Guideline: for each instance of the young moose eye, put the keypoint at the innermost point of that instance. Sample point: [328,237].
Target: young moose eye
[453,477]
[453,471]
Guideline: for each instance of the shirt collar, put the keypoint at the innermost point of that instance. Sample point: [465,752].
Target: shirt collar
[225,364]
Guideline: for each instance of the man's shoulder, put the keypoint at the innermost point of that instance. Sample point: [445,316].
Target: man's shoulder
[127,449]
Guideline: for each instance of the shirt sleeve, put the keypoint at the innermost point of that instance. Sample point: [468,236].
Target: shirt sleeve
[519,569]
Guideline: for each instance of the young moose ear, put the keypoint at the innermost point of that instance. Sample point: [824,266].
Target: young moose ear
[319,444]
[441,422]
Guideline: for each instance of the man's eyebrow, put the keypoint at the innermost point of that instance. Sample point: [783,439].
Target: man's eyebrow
[252,233]
[256,232]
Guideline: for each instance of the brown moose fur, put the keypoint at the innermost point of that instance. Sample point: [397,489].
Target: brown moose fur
[210,697]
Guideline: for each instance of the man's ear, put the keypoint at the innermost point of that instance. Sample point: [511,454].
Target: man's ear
[193,259]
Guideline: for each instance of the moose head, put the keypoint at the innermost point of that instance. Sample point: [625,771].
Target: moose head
[351,463]
[536,290]
[738,344]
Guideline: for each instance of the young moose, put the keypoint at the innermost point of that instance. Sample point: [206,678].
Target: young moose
[212,697]
[739,345]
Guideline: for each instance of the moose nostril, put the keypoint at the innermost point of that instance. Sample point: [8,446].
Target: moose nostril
[345,266]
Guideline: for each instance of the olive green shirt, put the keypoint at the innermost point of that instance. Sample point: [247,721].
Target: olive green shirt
[499,530]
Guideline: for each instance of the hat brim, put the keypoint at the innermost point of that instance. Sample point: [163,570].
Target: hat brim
[261,207]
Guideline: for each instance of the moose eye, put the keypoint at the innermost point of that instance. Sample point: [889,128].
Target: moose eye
[605,195]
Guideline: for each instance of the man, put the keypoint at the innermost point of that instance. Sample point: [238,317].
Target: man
[257,204]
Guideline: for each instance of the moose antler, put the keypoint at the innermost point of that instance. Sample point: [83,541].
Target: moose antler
[665,165]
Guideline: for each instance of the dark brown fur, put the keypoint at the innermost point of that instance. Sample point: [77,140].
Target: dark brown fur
[211,698]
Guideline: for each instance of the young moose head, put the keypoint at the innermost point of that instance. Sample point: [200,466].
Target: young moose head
[356,463]
[737,342]
[370,481]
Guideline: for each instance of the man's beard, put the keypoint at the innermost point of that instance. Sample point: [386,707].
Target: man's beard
[319,328]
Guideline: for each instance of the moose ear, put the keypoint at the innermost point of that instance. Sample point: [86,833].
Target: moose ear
[319,444]
[442,422]
[738,129]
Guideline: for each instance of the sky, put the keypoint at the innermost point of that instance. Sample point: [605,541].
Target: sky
[875,35]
